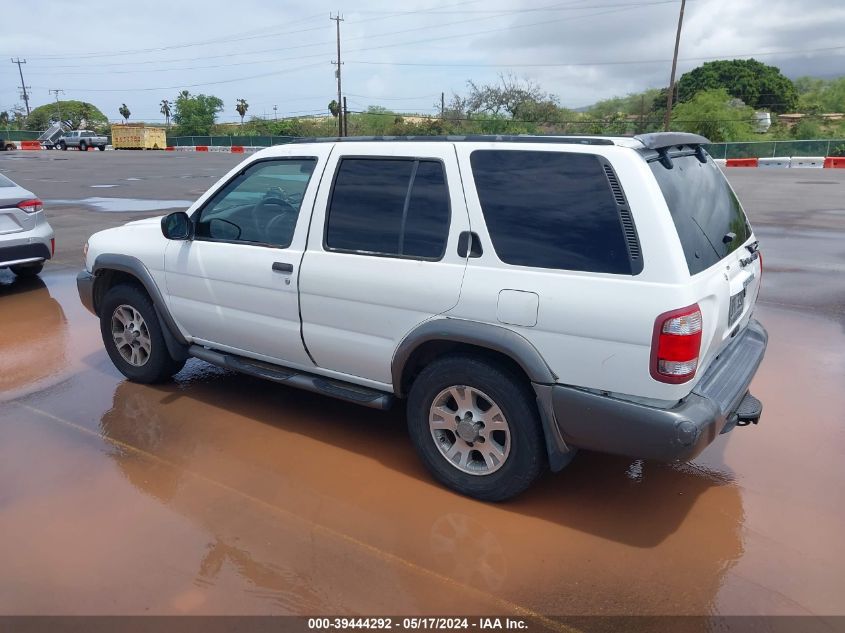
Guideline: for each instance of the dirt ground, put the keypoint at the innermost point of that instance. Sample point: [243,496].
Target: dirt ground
[220,493]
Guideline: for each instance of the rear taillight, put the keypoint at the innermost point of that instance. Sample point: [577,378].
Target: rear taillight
[31,206]
[52,246]
[676,344]
[760,257]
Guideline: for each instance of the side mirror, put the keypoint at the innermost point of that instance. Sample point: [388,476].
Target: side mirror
[177,226]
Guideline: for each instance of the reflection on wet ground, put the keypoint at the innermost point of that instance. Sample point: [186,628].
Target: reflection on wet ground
[124,205]
[220,493]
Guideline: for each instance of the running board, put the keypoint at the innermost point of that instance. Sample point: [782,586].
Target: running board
[309,382]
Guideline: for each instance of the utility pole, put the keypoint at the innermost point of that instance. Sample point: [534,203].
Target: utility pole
[345,118]
[671,95]
[58,107]
[442,105]
[338,19]
[20,61]
[275,113]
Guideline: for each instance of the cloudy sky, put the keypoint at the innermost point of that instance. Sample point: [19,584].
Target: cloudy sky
[400,55]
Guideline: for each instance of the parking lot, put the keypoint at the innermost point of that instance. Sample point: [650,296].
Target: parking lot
[220,493]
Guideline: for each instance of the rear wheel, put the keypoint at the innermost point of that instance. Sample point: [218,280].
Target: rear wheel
[475,425]
[83,147]
[133,338]
[62,145]
[102,148]
[28,270]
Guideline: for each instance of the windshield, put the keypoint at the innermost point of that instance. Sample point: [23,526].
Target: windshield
[707,214]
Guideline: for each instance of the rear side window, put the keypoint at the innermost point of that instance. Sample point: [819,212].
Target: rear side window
[704,209]
[390,207]
[550,210]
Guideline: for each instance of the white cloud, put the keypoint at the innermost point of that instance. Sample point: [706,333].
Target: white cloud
[279,53]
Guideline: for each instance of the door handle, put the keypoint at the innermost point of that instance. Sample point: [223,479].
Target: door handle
[469,245]
[281,267]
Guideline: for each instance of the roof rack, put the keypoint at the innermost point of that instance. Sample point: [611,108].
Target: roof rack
[661,140]
[508,138]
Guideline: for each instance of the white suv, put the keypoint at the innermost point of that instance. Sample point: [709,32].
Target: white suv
[527,296]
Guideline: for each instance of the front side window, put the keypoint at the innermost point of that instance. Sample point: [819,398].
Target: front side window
[550,210]
[387,206]
[260,205]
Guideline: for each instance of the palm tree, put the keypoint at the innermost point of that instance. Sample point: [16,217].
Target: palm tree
[334,108]
[242,107]
[124,112]
[165,110]
[4,118]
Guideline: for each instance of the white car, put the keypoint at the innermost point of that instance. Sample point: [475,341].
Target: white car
[527,296]
[26,238]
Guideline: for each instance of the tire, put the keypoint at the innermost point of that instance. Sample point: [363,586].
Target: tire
[148,359]
[83,147]
[515,456]
[102,148]
[62,145]
[27,271]
[10,147]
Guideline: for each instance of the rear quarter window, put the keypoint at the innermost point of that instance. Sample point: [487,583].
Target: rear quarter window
[550,210]
[704,209]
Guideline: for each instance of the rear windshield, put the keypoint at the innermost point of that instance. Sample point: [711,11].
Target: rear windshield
[704,209]
[5,182]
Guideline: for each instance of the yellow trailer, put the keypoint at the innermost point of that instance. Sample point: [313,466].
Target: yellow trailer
[138,137]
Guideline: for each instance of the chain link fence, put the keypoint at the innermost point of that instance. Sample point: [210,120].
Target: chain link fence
[771,149]
[228,141]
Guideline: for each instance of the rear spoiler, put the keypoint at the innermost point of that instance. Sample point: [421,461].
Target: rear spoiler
[662,140]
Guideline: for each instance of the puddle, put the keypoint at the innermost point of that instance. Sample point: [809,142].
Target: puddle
[125,205]
[130,179]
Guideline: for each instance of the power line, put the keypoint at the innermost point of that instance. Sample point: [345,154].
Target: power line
[598,63]
[502,13]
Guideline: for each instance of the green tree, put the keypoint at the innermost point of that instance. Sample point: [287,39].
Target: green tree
[75,114]
[334,108]
[760,86]
[819,95]
[241,107]
[712,113]
[124,112]
[165,110]
[195,114]
[4,118]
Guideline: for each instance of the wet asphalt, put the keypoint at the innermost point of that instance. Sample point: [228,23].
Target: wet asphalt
[220,493]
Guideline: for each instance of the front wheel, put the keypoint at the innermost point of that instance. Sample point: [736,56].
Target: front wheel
[476,427]
[62,146]
[133,338]
[102,148]
[83,147]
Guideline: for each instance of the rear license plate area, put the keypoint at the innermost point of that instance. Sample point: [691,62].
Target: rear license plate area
[736,307]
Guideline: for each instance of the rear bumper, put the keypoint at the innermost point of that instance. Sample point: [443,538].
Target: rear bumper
[592,421]
[24,253]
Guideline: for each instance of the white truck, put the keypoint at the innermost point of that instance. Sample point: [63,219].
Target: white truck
[526,296]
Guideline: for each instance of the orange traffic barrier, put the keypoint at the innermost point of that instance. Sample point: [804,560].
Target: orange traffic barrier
[237,149]
[741,162]
[835,162]
[169,148]
[30,145]
[201,148]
